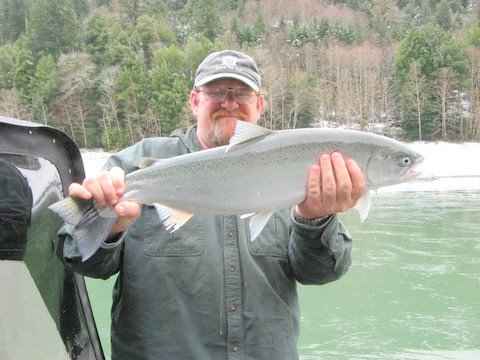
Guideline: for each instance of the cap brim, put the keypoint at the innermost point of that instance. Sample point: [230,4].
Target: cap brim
[243,79]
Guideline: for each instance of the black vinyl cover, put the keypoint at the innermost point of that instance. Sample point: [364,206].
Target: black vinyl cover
[37,164]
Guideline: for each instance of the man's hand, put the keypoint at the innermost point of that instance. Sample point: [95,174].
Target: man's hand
[106,190]
[334,185]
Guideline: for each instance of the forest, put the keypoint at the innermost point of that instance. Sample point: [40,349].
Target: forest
[110,72]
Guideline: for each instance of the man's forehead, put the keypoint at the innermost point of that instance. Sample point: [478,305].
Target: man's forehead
[227,83]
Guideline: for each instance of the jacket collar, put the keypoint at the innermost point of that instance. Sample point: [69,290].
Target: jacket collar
[188,136]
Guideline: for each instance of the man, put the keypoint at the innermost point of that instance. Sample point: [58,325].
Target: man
[204,291]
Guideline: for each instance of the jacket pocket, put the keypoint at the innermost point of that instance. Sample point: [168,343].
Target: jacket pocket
[272,241]
[158,242]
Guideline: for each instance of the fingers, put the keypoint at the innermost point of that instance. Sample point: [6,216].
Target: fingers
[118,180]
[94,186]
[313,184]
[106,189]
[127,212]
[127,209]
[343,181]
[78,191]
[313,206]
[334,185]
[112,185]
[357,179]
[328,183]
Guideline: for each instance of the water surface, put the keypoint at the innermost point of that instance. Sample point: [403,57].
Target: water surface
[413,291]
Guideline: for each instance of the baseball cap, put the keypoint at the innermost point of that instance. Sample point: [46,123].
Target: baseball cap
[228,64]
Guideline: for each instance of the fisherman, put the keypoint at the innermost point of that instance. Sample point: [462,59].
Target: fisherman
[205,291]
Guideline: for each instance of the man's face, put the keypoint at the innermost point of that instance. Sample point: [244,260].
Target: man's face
[216,116]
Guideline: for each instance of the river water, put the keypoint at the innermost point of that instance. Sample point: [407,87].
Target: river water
[413,291]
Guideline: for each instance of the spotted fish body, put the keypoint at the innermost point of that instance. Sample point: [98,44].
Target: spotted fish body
[260,171]
[267,173]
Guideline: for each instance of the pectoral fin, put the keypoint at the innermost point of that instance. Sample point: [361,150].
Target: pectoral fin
[172,219]
[258,222]
[363,206]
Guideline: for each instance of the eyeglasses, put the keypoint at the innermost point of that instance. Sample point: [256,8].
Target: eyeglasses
[239,95]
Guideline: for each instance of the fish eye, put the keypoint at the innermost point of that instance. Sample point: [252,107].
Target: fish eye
[405,161]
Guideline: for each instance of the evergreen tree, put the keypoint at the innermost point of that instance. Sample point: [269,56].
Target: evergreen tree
[53,27]
[175,4]
[12,19]
[196,49]
[43,87]
[97,37]
[133,9]
[24,68]
[473,36]
[259,27]
[8,60]
[81,8]
[234,4]
[133,93]
[203,17]
[153,31]
[170,87]
[110,42]
[443,15]
[431,50]
[383,19]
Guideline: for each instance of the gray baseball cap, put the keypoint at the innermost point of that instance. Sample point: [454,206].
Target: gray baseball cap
[228,64]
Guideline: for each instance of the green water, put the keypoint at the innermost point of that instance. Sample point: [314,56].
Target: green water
[413,292]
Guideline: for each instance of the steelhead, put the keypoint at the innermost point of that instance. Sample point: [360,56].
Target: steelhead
[260,171]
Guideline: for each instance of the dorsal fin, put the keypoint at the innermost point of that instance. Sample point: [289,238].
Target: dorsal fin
[246,132]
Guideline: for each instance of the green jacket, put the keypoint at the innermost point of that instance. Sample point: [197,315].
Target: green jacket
[206,291]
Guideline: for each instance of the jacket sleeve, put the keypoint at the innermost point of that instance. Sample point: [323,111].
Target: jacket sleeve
[103,264]
[107,260]
[319,253]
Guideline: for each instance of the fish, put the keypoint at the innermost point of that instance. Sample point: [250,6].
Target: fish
[259,172]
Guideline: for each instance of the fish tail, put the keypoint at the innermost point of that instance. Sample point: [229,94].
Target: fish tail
[90,228]
[92,231]
[70,210]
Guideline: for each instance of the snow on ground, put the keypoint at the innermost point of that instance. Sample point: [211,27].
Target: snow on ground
[459,161]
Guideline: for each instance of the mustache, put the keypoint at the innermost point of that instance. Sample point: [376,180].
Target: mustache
[235,114]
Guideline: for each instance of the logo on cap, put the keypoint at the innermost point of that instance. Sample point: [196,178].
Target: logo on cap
[229,62]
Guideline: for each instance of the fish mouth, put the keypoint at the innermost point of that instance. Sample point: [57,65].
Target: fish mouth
[413,172]
[410,175]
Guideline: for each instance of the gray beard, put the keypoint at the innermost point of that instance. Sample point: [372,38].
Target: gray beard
[218,138]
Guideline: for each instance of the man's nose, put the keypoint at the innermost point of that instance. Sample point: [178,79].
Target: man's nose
[229,102]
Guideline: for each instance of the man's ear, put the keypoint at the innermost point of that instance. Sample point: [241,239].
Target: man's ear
[260,104]
[194,100]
